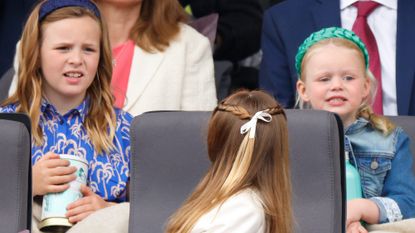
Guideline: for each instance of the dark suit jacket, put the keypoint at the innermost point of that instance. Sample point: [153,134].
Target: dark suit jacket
[287,24]
[13,14]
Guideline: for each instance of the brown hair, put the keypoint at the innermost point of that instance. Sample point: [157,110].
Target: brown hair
[100,121]
[158,24]
[379,122]
[239,162]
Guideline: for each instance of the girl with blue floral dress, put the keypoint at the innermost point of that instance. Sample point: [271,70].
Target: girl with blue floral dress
[332,65]
[64,82]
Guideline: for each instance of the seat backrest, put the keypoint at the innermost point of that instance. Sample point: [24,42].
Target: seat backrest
[317,170]
[408,124]
[169,157]
[15,173]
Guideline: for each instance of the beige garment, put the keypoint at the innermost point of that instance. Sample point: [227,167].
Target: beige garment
[405,226]
[112,219]
[36,215]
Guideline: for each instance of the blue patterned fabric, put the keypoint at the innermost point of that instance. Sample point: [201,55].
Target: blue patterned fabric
[107,173]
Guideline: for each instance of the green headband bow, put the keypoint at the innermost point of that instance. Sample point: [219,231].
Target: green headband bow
[327,33]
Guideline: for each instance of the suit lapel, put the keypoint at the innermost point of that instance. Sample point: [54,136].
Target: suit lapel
[405,49]
[326,13]
[144,68]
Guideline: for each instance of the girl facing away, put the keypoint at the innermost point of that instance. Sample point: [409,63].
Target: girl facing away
[247,187]
[64,86]
[332,65]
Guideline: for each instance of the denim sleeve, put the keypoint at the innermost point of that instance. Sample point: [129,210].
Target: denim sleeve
[399,184]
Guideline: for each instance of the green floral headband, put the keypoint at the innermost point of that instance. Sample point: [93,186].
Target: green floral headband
[327,33]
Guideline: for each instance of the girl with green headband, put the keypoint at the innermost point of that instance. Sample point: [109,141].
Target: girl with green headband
[332,65]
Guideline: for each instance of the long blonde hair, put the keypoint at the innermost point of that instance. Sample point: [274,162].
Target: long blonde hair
[239,162]
[158,24]
[100,121]
[365,111]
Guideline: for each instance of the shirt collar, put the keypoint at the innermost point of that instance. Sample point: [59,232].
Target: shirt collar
[356,126]
[393,4]
[81,109]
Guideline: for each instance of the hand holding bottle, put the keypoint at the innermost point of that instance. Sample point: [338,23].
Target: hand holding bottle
[51,174]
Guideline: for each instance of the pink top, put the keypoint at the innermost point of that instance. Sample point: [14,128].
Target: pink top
[123,58]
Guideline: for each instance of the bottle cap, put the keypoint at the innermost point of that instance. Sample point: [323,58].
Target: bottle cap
[346,155]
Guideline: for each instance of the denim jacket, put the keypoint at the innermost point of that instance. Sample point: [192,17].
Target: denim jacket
[385,167]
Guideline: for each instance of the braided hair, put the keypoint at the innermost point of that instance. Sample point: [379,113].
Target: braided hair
[240,162]
[243,114]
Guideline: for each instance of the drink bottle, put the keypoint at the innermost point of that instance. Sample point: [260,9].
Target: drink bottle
[353,186]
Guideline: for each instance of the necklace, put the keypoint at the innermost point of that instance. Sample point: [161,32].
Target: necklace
[118,52]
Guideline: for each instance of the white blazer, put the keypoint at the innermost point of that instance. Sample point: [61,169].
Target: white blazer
[180,78]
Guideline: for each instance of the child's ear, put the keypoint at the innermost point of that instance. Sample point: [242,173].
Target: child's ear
[301,89]
[367,86]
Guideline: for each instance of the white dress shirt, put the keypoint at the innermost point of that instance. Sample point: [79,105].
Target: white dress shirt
[382,21]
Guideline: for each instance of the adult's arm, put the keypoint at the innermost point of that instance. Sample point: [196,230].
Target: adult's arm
[274,75]
[198,91]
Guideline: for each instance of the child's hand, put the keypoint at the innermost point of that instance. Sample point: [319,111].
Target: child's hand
[361,210]
[51,174]
[80,209]
[355,227]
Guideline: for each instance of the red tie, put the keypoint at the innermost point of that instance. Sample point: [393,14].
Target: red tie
[362,29]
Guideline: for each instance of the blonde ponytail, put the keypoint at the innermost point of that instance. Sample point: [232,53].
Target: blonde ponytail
[381,123]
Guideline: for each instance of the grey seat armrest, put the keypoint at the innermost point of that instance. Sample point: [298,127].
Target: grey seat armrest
[15,172]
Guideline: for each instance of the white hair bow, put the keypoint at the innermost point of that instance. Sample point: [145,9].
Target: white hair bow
[251,124]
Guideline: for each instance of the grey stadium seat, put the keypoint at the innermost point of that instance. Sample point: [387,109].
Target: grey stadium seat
[15,173]
[169,156]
